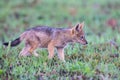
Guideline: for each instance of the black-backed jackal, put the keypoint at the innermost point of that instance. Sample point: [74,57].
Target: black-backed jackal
[50,38]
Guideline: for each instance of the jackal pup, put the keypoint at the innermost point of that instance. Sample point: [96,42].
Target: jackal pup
[50,38]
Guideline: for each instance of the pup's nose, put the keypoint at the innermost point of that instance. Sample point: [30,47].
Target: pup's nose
[86,42]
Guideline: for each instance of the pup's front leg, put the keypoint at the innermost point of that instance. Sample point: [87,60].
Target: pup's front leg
[61,53]
[51,50]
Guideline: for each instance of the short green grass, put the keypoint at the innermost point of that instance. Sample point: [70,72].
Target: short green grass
[99,60]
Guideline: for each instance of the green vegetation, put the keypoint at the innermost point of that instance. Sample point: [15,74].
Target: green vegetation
[98,60]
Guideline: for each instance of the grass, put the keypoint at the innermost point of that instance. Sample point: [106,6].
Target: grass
[97,61]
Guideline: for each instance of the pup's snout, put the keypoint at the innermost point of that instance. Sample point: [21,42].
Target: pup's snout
[86,42]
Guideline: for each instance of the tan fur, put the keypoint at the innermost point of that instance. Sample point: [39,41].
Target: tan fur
[51,38]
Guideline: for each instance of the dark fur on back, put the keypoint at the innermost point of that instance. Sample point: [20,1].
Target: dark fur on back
[48,30]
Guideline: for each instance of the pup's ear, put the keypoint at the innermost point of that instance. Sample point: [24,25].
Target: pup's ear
[81,25]
[77,28]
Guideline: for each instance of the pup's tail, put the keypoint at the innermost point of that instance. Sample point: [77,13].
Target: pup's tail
[13,43]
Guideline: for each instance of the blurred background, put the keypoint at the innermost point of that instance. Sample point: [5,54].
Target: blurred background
[101,18]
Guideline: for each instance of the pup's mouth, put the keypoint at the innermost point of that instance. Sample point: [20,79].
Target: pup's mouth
[85,43]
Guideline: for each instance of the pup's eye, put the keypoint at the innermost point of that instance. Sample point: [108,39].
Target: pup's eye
[81,37]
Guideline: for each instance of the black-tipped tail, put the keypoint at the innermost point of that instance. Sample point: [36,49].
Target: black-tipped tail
[13,43]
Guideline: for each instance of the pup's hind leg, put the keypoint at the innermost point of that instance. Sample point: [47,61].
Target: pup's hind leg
[25,51]
[28,51]
[33,48]
[30,45]
[35,53]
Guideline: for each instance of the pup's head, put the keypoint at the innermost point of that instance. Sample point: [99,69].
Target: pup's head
[78,34]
